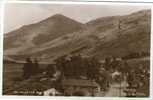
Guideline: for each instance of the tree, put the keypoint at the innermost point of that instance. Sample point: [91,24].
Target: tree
[115,65]
[35,68]
[27,72]
[107,64]
[93,68]
[104,79]
[50,70]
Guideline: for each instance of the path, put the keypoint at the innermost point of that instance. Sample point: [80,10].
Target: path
[115,91]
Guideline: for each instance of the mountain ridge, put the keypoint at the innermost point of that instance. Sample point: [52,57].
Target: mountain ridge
[99,38]
[49,28]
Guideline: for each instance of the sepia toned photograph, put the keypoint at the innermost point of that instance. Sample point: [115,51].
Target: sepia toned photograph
[83,50]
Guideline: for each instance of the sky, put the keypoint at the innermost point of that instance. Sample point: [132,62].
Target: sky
[16,14]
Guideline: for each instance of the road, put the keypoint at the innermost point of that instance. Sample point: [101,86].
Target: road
[116,90]
[113,91]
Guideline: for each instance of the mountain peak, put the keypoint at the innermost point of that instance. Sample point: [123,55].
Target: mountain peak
[58,15]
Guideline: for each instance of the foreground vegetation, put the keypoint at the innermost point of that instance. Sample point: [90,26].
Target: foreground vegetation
[135,71]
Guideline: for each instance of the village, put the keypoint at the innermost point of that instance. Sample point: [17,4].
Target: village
[77,75]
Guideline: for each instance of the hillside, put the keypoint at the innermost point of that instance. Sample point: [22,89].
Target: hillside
[100,37]
[133,36]
[31,36]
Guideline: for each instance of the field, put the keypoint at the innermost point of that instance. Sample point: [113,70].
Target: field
[12,76]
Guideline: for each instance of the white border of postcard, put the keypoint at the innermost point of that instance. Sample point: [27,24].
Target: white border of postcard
[2,8]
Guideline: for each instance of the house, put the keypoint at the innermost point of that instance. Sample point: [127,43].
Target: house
[51,92]
[72,86]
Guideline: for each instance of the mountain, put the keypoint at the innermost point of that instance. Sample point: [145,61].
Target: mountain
[31,36]
[133,36]
[100,38]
